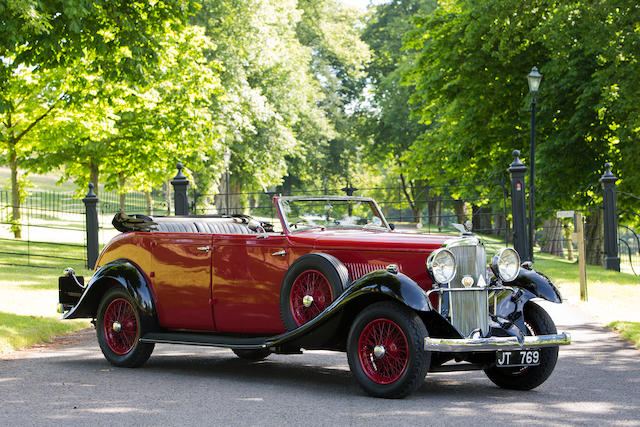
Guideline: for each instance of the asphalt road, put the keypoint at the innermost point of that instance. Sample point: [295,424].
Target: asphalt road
[596,382]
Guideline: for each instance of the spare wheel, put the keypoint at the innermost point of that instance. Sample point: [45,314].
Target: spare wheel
[311,284]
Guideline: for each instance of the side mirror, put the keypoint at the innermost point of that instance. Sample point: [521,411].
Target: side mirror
[392,226]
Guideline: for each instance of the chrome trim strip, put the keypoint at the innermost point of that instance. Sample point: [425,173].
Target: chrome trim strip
[494,343]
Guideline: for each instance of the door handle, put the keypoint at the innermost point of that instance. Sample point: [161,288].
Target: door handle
[204,248]
[282,252]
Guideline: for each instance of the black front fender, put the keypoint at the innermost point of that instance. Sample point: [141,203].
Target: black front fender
[123,273]
[330,328]
[538,284]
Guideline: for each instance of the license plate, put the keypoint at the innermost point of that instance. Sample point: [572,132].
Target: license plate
[506,359]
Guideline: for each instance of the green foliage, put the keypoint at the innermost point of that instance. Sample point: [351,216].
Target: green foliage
[471,90]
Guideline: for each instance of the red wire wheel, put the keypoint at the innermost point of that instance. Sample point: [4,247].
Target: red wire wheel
[310,295]
[383,351]
[120,326]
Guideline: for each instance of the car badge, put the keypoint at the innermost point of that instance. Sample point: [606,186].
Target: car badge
[467,281]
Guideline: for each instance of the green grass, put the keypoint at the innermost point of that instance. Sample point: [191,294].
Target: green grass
[18,331]
[628,330]
[29,295]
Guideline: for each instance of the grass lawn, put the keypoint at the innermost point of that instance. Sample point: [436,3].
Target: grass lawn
[29,295]
[18,331]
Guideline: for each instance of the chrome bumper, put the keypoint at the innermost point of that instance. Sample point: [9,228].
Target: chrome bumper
[455,345]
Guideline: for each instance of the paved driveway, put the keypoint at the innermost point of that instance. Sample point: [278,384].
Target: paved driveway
[596,381]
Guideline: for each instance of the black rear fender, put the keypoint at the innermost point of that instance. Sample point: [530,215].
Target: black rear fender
[122,273]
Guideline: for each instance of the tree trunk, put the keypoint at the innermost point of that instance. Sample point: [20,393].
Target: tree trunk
[220,199]
[459,209]
[481,219]
[235,198]
[94,175]
[16,227]
[415,211]
[433,208]
[569,241]
[552,237]
[123,196]
[594,237]
[149,202]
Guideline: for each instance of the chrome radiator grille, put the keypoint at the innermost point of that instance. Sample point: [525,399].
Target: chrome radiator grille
[469,310]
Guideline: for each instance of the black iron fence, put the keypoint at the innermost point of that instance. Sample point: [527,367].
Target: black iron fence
[52,225]
[494,210]
[51,230]
[628,237]
[429,208]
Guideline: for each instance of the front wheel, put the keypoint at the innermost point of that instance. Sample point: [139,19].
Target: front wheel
[119,328]
[538,322]
[385,350]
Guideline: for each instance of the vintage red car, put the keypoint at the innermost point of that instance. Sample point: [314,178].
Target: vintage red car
[332,275]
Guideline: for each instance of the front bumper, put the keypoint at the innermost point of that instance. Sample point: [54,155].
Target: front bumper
[455,345]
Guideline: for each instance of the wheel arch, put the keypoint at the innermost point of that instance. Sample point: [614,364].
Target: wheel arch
[538,284]
[331,327]
[118,273]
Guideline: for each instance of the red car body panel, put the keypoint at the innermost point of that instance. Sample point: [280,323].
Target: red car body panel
[234,286]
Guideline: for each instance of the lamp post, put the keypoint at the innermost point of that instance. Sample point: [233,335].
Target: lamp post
[533,78]
[227,158]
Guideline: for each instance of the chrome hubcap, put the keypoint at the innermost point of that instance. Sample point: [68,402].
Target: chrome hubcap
[307,300]
[379,351]
[117,326]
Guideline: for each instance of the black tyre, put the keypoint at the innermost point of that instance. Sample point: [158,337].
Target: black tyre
[385,349]
[119,327]
[312,282]
[538,322]
[254,355]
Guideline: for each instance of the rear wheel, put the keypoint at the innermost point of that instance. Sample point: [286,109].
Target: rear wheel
[311,284]
[538,322]
[385,350]
[119,328]
[254,355]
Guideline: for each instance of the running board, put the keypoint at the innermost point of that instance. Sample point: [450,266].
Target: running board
[194,338]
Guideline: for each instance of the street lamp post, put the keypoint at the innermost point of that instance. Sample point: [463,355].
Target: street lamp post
[533,78]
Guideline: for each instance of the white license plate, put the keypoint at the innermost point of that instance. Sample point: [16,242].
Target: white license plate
[506,359]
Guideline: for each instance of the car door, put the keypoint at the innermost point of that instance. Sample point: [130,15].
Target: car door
[181,277]
[247,275]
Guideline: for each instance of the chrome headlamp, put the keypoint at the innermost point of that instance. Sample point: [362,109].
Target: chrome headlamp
[506,264]
[441,264]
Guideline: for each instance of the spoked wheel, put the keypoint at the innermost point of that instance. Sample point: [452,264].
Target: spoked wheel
[119,328]
[310,295]
[311,284]
[385,350]
[538,322]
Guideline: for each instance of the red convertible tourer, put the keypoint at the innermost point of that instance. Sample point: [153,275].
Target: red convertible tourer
[333,274]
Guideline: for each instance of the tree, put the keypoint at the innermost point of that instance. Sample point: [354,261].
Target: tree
[471,92]
[390,128]
[42,43]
